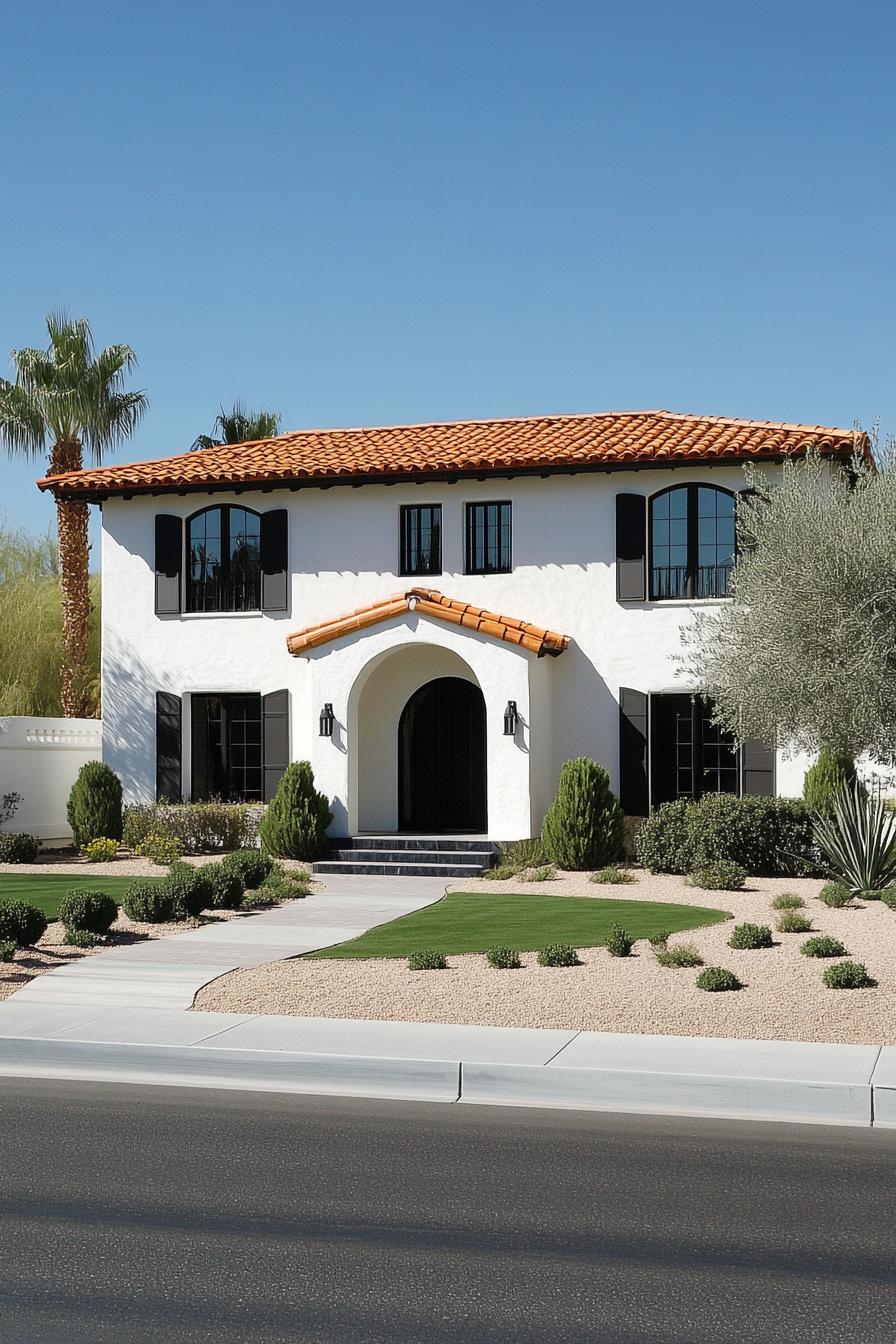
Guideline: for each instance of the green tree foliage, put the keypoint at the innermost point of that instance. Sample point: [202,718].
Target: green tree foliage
[31,628]
[295,823]
[804,653]
[94,804]
[239,426]
[583,827]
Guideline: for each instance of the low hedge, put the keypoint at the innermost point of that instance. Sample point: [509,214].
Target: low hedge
[764,836]
[18,847]
[201,828]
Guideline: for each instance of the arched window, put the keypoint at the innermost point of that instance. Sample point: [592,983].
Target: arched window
[692,542]
[224,560]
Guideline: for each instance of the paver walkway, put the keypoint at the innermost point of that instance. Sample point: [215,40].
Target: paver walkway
[167,972]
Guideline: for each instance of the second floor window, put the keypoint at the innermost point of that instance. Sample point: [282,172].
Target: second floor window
[488,538]
[224,560]
[692,542]
[421,539]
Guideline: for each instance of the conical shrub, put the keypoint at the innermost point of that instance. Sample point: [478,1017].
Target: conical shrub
[832,771]
[94,804]
[295,823]
[583,827]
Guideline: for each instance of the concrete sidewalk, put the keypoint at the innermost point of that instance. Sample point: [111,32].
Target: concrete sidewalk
[167,972]
[771,1080]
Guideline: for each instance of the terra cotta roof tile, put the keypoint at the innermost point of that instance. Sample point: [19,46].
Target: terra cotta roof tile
[428,602]
[467,448]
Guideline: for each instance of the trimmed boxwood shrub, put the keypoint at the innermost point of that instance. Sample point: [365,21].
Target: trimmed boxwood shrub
[823,946]
[751,937]
[835,894]
[18,847]
[503,958]
[618,943]
[583,827]
[224,887]
[94,804]
[720,875]
[716,979]
[7,950]
[848,975]
[89,911]
[764,836]
[21,923]
[427,959]
[558,954]
[189,890]
[250,866]
[794,921]
[149,903]
[295,824]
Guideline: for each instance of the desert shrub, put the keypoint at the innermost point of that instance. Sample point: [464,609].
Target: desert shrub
[90,911]
[100,850]
[7,950]
[160,849]
[21,923]
[660,939]
[94,804]
[823,779]
[716,979]
[788,901]
[18,847]
[875,894]
[546,873]
[584,825]
[201,828]
[618,943]
[719,875]
[149,903]
[188,889]
[612,876]
[518,854]
[889,897]
[682,954]
[224,886]
[502,872]
[835,894]
[823,946]
[503,958]
[858,840]
[79,938]
[427,959]
[286,884]
[848,975]
[763,836]
[794,921]
[662,842]
[295,824]
[558,954]
[259,899]
[250,865]
[750,937]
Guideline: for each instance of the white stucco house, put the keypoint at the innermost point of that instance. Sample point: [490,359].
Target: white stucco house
[436,616]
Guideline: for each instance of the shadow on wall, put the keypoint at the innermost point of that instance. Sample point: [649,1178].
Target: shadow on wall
[129,719]
[586,715]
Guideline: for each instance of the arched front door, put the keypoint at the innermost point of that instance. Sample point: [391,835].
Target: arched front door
[441,758]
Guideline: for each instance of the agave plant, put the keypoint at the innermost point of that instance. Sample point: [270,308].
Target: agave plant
[858,839]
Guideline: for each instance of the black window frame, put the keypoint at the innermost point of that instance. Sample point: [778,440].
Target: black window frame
[470,513]
[231,771]
[691,585]
[226,582]
[696,746]
[410,523]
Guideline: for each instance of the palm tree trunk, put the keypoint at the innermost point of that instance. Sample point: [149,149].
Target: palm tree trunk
[74,582]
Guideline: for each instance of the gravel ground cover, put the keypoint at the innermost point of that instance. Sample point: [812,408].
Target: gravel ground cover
[783,998]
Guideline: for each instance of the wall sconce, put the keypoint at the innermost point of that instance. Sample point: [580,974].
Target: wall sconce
[327,719]
[511,719]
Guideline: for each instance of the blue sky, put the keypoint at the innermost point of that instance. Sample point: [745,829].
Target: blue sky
[360,213]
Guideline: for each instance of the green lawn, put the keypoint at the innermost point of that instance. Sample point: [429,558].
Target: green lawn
[46,890]
[469,922]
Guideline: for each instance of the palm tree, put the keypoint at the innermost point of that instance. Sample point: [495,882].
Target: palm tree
[65,399]
[239,426]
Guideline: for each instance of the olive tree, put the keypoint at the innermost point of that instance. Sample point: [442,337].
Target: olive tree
[806,653]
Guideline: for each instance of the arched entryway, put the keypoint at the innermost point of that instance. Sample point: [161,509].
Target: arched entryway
[441,758]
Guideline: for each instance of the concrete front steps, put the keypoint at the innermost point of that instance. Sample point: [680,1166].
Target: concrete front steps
[409,856]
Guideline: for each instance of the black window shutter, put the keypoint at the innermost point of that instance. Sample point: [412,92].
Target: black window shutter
[169,550]
[274,561]
[168,747]
[631,548]
[757,769]
[633,752]
[275,719]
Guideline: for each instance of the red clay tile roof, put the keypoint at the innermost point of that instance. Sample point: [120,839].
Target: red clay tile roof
[428,602]
[462,448]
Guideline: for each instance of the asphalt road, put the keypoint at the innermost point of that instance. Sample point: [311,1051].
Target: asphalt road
[132,1214]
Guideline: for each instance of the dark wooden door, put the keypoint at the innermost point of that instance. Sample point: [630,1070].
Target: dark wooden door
[441,758]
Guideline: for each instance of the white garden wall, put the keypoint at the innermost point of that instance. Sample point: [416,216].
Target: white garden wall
[40,759]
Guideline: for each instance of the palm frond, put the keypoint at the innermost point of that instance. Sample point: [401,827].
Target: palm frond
[22,425]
